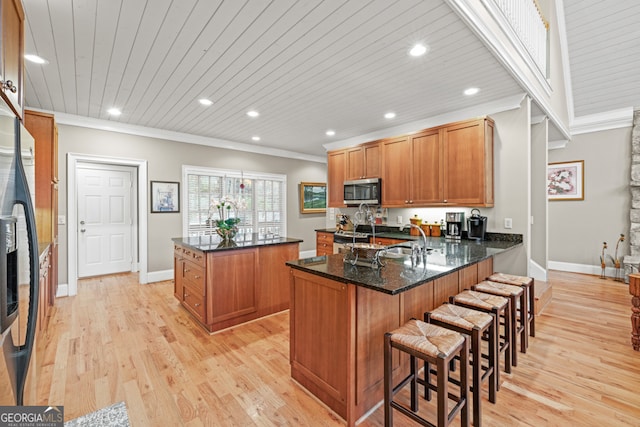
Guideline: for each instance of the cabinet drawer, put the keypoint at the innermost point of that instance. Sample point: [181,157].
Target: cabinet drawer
[324,238]
[194,302]
[192,255]
[194,275]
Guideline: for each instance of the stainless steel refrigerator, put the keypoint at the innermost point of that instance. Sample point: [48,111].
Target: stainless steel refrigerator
[19,263]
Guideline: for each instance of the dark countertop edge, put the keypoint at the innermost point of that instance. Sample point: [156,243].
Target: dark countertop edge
[395,291]
[242,245]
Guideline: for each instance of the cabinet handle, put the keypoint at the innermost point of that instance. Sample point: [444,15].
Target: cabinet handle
[196,277]
[186,270]
[445,200]
[196,304]
[410,202]
[406,202]
[186,295]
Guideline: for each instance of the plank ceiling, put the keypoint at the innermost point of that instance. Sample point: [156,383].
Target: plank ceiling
[307,65]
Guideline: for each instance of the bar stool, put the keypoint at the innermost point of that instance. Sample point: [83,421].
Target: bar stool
[476,324]
[528,284]
[514,293]
[498,307]
[433,345]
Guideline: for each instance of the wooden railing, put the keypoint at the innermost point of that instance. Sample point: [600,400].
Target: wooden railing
[527,22]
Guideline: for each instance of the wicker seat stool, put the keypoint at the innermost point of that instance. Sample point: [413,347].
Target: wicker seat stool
[433,345]
[475,324]
[518,317]
[528,283]
[498,307]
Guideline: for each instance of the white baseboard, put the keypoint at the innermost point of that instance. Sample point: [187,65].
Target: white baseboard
[63,290]
[307,254]
[537,271]
[159,276]
[581,268]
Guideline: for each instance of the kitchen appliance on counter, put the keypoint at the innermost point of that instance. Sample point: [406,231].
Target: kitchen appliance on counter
[362,191]
[455,222]
[19,263]
[476,225]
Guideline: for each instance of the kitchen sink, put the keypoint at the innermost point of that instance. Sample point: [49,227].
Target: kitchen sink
[395,252]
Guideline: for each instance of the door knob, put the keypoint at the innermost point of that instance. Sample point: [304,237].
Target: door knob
[82,230]
[82,222]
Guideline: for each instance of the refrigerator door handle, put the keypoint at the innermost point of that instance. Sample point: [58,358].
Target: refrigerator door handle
[23,197]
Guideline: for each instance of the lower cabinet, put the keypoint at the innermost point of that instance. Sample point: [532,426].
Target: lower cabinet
[228,287]
[324,243]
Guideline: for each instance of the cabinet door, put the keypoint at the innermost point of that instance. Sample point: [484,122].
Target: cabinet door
[324,243]
[355,163]
[426,168]
[396,174]
[12,55]
[468,164]
[336,173]
[372,160]
[232,291]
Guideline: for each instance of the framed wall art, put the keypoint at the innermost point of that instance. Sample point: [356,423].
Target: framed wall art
[165,197]
[565,180]
[313,197]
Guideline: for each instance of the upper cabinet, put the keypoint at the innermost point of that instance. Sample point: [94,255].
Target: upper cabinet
[336,173]
[364,161]
[468,163]
[450,165]
[12,54]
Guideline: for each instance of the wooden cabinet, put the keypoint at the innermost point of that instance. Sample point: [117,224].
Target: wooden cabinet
[412,171]
[450,165]
[228,287]
[385,241]
[364,161]
[12,54]
[324,243]
[336,174]
[42,127]
[468,163]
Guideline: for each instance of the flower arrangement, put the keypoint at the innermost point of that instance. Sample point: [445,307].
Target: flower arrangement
[226,224]
[561,182]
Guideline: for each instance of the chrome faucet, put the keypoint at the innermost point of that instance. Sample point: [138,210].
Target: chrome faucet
[416,250]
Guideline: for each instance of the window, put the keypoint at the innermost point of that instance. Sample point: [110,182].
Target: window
[262,196]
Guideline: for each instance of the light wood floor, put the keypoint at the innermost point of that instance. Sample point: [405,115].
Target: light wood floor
[121,341]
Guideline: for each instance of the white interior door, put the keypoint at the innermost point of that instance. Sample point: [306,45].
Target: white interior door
[105,225]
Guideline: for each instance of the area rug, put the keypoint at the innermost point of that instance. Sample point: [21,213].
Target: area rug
[111,416]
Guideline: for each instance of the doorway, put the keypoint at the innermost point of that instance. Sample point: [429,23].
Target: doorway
[98,196]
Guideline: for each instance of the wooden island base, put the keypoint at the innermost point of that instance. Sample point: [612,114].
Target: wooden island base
[223,288]
[337,331]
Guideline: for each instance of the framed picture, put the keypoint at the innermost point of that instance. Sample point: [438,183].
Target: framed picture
[165,197]
[313,197]
[565,180]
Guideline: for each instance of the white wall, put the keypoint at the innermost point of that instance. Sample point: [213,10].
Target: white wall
[165,159]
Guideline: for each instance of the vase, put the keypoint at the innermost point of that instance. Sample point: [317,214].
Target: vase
[227,234]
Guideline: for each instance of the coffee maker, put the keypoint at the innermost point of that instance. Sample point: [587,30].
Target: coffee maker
[476,225]
[455,222]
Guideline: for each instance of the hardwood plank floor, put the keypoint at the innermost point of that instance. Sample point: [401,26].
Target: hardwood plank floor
[118,340]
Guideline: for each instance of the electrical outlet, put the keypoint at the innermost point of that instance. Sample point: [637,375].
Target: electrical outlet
[399,219]
[508,223]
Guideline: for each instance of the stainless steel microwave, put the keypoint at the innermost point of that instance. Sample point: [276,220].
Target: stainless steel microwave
[362,191]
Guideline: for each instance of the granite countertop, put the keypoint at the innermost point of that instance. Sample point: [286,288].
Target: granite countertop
[398,275]
[213,243]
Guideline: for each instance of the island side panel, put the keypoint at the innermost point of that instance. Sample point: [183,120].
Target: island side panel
[485,269]
[231,293]
[272,290]
[444,287]
[320,338]
[467,277]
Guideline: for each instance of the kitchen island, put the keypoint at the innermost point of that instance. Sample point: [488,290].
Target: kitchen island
[223,284]
[339,314]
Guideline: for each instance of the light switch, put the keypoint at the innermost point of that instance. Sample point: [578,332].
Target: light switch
[508,223]
[62,220]
[399,219]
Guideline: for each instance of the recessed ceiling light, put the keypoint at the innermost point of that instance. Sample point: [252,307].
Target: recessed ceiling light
[330,132]
[114,111]
[471,91]
[253,113]
[390,115]
[206,102]
[255,138]
[35,58]
[418,50]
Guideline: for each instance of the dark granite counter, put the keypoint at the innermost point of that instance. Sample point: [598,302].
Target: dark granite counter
[241,241]
[398,275]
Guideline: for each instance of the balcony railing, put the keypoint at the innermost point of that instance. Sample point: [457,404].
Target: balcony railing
[527,22]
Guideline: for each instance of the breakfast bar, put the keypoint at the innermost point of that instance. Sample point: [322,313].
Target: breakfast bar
[339,313]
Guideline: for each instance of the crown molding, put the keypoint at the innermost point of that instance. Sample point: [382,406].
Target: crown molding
[608,120]
[493,107]
[111,126]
